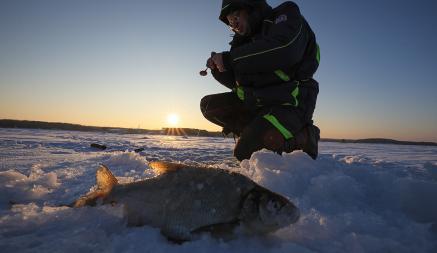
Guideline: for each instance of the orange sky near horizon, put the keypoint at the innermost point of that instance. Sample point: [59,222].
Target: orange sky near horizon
[156,120]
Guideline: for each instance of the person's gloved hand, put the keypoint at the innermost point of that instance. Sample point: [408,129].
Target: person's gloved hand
[210,63]
[216,62]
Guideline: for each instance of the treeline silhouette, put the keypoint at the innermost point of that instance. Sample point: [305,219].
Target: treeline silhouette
[9,123]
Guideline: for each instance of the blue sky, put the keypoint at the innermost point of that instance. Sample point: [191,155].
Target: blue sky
[131,63]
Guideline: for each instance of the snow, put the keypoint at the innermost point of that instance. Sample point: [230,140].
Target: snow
[353,198]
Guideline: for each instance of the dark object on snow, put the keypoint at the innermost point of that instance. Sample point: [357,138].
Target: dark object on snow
[138,150]
[98,146]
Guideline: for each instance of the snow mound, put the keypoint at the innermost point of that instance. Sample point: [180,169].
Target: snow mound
[16,187]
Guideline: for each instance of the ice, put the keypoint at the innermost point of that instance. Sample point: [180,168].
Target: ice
[16,187]
[353,198]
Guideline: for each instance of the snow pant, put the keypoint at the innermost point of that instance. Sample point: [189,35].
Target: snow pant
[274,127]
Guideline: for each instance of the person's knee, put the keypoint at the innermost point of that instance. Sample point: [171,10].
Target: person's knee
[204,104]
[273,140]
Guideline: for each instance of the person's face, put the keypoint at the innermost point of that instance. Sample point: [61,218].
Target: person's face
[239,21]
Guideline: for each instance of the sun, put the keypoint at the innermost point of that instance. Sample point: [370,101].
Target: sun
[173,119]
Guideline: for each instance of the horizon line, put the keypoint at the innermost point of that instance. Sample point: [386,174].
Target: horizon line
[162,128]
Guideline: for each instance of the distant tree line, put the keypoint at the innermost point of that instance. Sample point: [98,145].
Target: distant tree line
[8,123]
[381,141]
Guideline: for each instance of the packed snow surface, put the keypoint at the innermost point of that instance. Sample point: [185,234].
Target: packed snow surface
[353,198]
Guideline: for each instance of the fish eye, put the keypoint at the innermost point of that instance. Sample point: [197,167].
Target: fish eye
[273,206]
[277,205]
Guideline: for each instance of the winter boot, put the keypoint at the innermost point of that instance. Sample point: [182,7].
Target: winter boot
[306,140]
[226,131]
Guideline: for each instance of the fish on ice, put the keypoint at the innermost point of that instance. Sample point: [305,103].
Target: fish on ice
[184,200]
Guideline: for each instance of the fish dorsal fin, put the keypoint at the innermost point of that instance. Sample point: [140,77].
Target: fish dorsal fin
[105,179]
[165,167]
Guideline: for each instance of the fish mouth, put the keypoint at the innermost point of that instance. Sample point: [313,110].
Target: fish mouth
[288,214]
[295,216]
[283,217]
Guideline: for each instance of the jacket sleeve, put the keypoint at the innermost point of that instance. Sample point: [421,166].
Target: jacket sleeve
[226,78]
[280,48]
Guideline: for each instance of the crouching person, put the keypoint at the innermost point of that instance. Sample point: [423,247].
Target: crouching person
[269,68]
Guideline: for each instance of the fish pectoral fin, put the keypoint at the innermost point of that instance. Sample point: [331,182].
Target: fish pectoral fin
[177,234]
[219,230]
[165,167]
[105,179]
[88,200]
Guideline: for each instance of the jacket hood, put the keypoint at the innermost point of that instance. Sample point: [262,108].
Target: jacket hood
[228,6]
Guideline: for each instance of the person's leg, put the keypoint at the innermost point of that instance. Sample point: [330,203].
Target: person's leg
[310,134]
[225,110]
[257,135]
[279,129]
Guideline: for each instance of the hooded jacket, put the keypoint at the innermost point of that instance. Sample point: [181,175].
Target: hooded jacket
[280,52]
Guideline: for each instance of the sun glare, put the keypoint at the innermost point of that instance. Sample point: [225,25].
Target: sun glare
[173,119]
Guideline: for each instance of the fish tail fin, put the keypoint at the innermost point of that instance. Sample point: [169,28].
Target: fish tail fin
[105,182]
[105,179]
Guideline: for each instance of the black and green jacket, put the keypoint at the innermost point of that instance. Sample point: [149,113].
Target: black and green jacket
[268,65]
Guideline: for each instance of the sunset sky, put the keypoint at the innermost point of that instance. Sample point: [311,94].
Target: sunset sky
[133,63]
